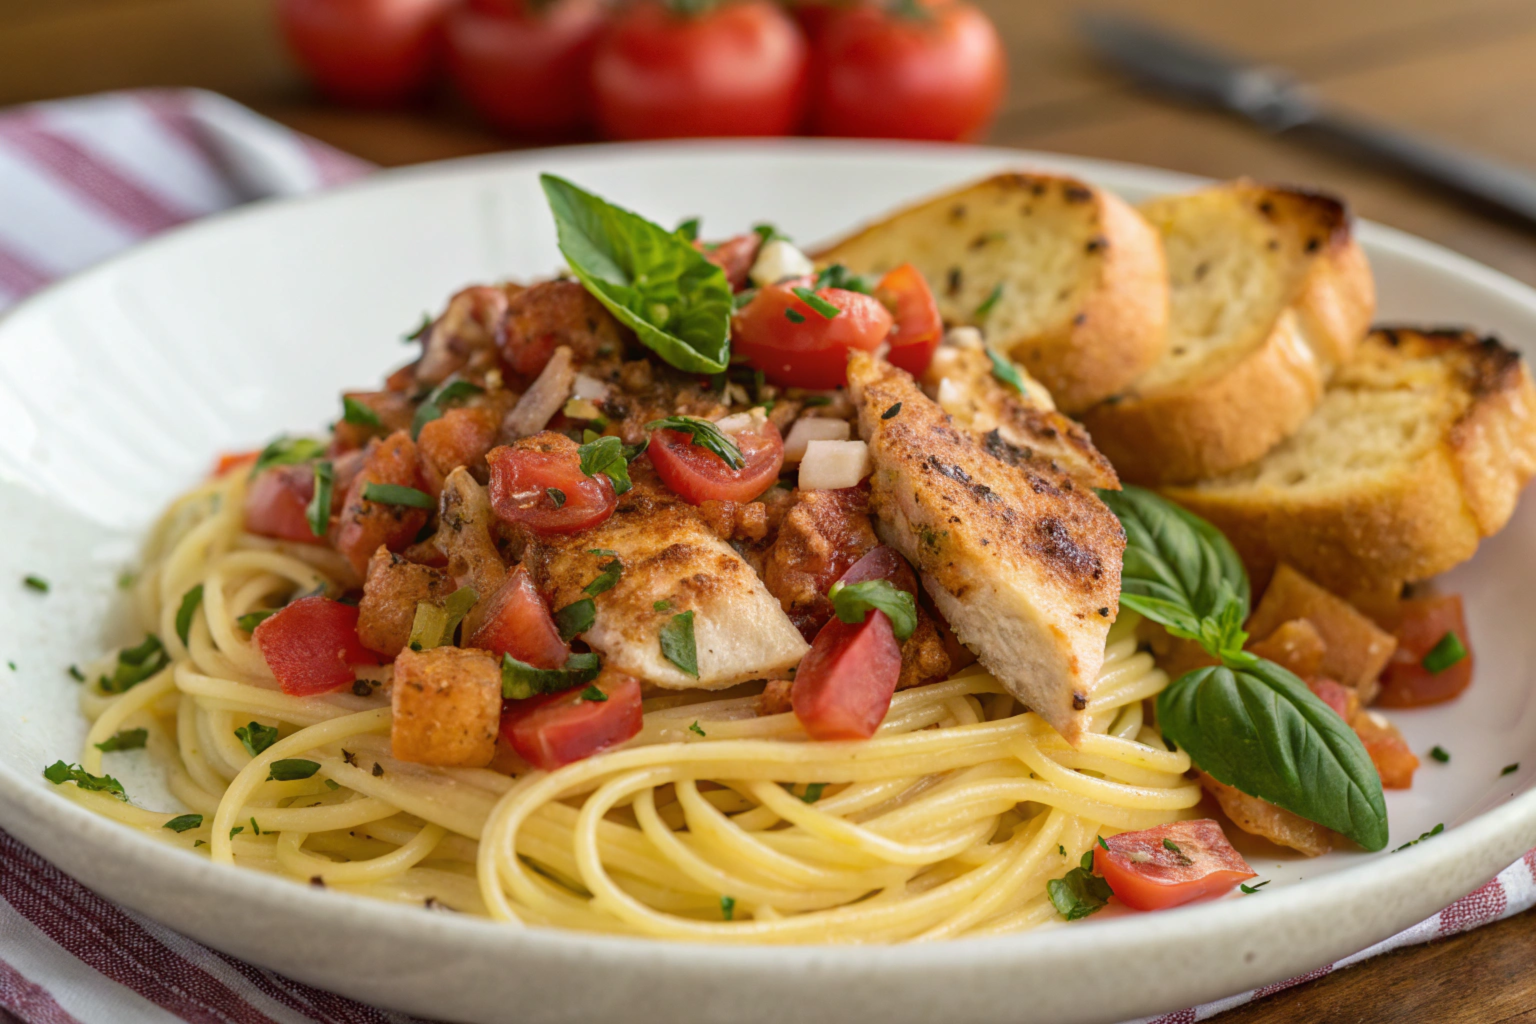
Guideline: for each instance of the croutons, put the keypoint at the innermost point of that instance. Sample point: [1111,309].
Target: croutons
[447,707]
[464,537]
[390,595]
[364,525]
[1355,648]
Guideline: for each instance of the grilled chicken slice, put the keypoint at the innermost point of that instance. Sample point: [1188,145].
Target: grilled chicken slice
[672,563]
[1022,561]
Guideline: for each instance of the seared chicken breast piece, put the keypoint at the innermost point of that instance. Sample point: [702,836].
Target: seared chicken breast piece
[672,563]
[1023,561]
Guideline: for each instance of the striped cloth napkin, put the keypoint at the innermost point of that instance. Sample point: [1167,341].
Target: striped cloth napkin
[80,180]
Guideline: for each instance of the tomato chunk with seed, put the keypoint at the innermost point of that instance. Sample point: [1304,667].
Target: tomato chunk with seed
[277,504]
[311,646]
[1170,865]
[918,328]
[561,728]
[697,474]
[1421,625]
[797,346]
[518,622]
[538,483]
[844,685]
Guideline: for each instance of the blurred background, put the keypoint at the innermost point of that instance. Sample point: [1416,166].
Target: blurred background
[1459,71]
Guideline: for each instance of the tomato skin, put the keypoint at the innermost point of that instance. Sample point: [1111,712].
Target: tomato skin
[311,646]
[367,52]
[918,328]
[561,728]
[882,563]
[812,353]
[522,473]
[697,475]
[518,622]
[844,685]
[526,72]
[1420,624]
[277,504]
[230,460]
[737,69]
[735,256]
[881,74]
[1160,878]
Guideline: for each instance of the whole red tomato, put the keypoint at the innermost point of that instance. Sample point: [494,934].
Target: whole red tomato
[734,68]
[365,51]
[909,70]
[526,67]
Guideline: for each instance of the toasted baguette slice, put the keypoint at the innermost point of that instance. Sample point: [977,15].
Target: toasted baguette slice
[1270,294]
[1081,294]
[1417,452]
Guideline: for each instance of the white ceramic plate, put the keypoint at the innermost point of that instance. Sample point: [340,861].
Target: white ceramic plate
[118,387]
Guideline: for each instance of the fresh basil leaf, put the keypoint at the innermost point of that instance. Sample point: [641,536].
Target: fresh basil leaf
[793,315]
[135,664]
[124,739]
[445,394]
[1260,730]
[184,822]
[396,494]
[821,306]
[287,451]
[435,621]
[575,618]
[1079,892]
[839,276]
[677,643]
[519,680]
[687,230]
[290,769]
[59,773]
[676,301]
[1175,558]
[189,603]
[706,435]
[853,602]
[318,514]
[255,737]
[607,577]
[358,414]
[769,233]
[611,457]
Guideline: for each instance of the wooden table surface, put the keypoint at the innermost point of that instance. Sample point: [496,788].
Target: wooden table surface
[1461,70]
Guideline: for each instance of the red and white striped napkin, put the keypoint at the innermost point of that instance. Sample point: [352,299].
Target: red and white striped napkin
[80,180]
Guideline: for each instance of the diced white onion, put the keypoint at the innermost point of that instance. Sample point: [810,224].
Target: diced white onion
[742,422]
[542,400]
[778,260]
[952,397]
[830,465]
[807,430]
[964,337]
[590,388]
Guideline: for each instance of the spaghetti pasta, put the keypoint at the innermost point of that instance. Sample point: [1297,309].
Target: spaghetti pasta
[715,823]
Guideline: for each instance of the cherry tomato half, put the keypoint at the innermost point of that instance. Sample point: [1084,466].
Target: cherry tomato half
[311,646]
[735,256]
[796,346]
[365,51]
[526,71]
[918,328]
[538,483]
[844,684]
[517,622]
[697,475]
[737,68]
[561,728]
[277,504]
[1170,865]
[930,71]
[1422,623]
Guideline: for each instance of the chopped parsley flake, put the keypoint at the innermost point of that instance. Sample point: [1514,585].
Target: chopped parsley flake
[397,494]
[184,822]
[1444,654]
[250,620]
[318,513]
[76,674]
[135,664]
[1251,889]
[891,412]
[813,792]
[1005,371]
[704,434]
[695,727]
[793,315]
[59,773]
[124,739]
[990,302]
[592,693]
[1510,769]
[1415,842]
[448,392]
[1439,754]
[189,605]
[358,414]
[677,643]
[291,769]
[36,583]
[819,305]
[255,737]
[660,606]
[728,907]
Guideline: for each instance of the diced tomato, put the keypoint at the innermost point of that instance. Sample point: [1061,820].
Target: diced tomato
[1170,865]
[561,728]
[1421,624]
[277,504]
[882,563]
[517,622]
[735,256]
[697,474]
[231,460]
[311,646]
[919,328]
[524,474]
[1336,695]
[794,345]
[1394,761]
[844,685]
[364,525]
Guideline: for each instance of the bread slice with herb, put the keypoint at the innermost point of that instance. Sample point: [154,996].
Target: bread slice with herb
[1064,277]
[1270,294]
[1418,450]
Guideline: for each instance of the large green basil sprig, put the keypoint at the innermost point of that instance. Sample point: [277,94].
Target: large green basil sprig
[656,283]
[1247,722]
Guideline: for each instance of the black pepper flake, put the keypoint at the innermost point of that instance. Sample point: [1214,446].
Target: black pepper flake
[1104,612]
[349,757]
[1314,244]
[317,881]
[378,769]
[892,411]
[1079,702]
[362,688]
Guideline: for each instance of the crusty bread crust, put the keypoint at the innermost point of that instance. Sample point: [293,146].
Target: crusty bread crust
[1230,412]
[1084,300]
[1370,532]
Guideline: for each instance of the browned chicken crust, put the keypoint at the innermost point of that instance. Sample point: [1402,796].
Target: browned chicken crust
[824,533]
